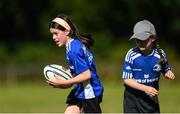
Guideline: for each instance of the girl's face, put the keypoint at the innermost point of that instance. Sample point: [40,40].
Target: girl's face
[60,37]
[146,45]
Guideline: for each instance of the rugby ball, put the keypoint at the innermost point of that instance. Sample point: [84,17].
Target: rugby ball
[56,71]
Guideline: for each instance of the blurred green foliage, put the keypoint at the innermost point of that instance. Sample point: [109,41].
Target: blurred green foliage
[30,60]
[26,45]
[112,19]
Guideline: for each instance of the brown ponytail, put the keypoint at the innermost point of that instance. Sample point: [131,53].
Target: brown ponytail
[157,46]
[87,40]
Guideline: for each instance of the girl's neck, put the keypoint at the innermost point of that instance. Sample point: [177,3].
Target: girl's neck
[69,39]
[147,52]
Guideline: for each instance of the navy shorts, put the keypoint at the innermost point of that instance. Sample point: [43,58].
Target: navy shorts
[86,105]
[136,101]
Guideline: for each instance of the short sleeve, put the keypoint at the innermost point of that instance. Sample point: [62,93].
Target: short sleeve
[79,60]
[165,66]
[127,67]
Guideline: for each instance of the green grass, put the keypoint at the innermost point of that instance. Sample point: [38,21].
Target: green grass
[33,97]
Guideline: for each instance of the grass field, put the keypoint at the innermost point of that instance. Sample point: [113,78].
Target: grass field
[32,97]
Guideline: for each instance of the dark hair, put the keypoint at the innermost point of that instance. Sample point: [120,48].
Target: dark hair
[87,40]
[157,46]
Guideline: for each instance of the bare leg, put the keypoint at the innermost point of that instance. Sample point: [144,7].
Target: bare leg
[72,109]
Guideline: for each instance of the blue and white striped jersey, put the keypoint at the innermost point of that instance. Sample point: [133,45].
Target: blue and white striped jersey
[81,59]
[144,68]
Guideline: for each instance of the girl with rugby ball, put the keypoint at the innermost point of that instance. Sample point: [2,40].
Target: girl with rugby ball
[87,93]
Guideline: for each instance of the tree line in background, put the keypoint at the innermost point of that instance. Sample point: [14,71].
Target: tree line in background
[26,45]
[27,21]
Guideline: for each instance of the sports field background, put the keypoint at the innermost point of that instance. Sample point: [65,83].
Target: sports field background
[26,46]
[23,87]
[39,97]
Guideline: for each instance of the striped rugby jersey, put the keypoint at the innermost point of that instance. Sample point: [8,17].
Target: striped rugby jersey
[144,68]
[81,59]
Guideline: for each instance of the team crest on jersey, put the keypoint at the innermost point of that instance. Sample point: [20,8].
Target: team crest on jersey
[128,68]
[146,75]
[157,68]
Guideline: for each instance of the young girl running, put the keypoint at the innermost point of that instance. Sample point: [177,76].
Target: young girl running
[87,93]
[142,69]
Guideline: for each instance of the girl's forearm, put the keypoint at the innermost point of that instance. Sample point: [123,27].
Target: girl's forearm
[84,76]
[132,83]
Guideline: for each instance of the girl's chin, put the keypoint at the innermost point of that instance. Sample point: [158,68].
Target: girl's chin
[142,49]
[59,45]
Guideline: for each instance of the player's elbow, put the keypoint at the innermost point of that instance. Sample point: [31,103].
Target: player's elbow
[127,81]
[88,74]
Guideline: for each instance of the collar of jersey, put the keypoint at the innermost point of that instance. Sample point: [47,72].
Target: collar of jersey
[151,53]
[69,42]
